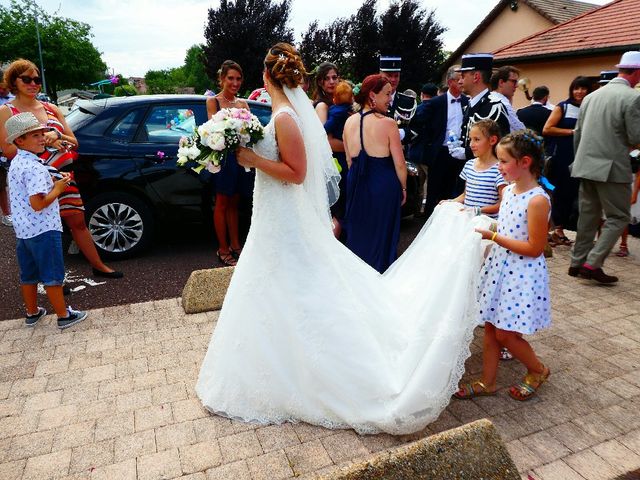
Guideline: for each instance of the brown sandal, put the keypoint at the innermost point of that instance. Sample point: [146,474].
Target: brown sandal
[226,259]
[525,389]
[468,391]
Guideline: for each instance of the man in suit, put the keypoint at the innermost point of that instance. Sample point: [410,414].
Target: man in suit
[390,68]
[419,125]
[442,114]
[475,75]
[535,115]
[608,127]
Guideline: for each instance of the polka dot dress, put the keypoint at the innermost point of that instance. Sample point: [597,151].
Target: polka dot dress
[514,289]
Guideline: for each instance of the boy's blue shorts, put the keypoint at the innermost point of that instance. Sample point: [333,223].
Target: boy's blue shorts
[40,259]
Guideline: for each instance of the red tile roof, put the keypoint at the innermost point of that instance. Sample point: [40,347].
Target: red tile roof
[612,27]
[556,11]
[559,11]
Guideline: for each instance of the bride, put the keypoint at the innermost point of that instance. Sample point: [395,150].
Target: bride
[308,331]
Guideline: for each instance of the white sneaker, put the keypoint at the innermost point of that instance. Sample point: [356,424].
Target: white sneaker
[6,221]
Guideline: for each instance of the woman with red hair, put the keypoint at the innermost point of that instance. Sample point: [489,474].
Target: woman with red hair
[377,178]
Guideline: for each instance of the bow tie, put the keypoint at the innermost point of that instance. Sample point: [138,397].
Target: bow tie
[456,100]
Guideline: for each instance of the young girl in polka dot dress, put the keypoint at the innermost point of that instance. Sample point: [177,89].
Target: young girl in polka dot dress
[514,286]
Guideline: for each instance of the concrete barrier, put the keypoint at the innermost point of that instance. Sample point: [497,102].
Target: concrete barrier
[471,452]
[205,289]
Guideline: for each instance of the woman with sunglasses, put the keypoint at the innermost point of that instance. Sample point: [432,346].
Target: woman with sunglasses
[23,79]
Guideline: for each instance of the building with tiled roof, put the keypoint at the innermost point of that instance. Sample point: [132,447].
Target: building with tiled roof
[583,45]
[512,20]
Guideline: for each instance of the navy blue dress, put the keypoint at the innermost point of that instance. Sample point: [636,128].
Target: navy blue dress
[374,197]
[565,196]
[233,179]
[334,125]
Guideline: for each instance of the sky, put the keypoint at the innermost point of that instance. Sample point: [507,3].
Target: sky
[135,36]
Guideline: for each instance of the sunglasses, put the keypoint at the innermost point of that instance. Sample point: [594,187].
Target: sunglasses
[26,79]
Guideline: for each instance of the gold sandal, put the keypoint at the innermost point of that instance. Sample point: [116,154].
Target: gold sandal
[468,391]
[527,388]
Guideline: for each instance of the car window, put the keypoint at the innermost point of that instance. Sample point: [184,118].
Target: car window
[167,123]
[125,128]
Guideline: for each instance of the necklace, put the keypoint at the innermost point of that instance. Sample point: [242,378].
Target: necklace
[235,100]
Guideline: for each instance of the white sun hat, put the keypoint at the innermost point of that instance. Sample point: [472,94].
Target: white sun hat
[629,60]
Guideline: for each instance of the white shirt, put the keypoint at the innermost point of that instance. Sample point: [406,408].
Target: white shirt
[477,98]
[514,121]
[454,117]
[27,177]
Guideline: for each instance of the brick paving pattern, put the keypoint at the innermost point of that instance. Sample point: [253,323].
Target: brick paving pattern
[114,397]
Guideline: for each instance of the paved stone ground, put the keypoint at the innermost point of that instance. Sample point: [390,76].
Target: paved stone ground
[113,398]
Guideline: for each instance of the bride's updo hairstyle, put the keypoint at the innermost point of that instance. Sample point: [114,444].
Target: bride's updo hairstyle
[284,65]
[373,83]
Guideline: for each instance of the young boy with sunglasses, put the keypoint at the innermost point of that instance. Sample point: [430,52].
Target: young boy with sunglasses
[36,221]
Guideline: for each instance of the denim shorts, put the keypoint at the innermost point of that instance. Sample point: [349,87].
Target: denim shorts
[40,259]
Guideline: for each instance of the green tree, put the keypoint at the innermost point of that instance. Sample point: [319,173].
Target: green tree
[328,44]
[125,90]
[165,81]
[414,34]
[243,30]
[194,69]
[70,59]
[363,41]
[356,43]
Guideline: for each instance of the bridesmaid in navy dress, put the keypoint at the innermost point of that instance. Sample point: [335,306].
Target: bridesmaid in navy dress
[232,180]
[377,178]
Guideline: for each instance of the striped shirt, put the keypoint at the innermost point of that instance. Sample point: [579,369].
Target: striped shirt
[481,189]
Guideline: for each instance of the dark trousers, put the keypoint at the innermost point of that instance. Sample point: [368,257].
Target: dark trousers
[442,180]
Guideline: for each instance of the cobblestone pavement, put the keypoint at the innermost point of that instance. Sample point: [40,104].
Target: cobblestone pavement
[113,398]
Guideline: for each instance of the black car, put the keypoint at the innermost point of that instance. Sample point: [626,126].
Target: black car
[126,167]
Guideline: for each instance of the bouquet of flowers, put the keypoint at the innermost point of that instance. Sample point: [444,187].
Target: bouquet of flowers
[212,141]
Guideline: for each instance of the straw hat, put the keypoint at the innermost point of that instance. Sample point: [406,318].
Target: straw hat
[21,124]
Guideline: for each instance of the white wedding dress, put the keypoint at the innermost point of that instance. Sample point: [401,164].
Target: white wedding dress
[309,332]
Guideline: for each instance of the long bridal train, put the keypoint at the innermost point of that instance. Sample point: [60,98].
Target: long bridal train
[309,332]
[352,348]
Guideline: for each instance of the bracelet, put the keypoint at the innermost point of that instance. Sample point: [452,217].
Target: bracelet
[404,189]
[58,133]
[478,211]
[493,237]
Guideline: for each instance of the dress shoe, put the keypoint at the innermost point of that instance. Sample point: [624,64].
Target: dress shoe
[114,274]
[574,271]
[597,274]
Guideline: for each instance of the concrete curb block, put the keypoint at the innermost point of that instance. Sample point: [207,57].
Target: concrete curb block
[470,452]
[205,289]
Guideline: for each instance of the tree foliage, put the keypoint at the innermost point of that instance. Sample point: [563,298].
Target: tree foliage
[355,43]
[70,59]
[194,69]
[243,30]
[190,75]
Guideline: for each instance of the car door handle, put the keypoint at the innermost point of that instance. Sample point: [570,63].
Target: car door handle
[156,158]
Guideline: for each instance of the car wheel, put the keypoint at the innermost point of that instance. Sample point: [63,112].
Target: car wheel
[121,224]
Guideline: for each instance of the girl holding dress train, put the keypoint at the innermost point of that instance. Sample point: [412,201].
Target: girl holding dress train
[514,285]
